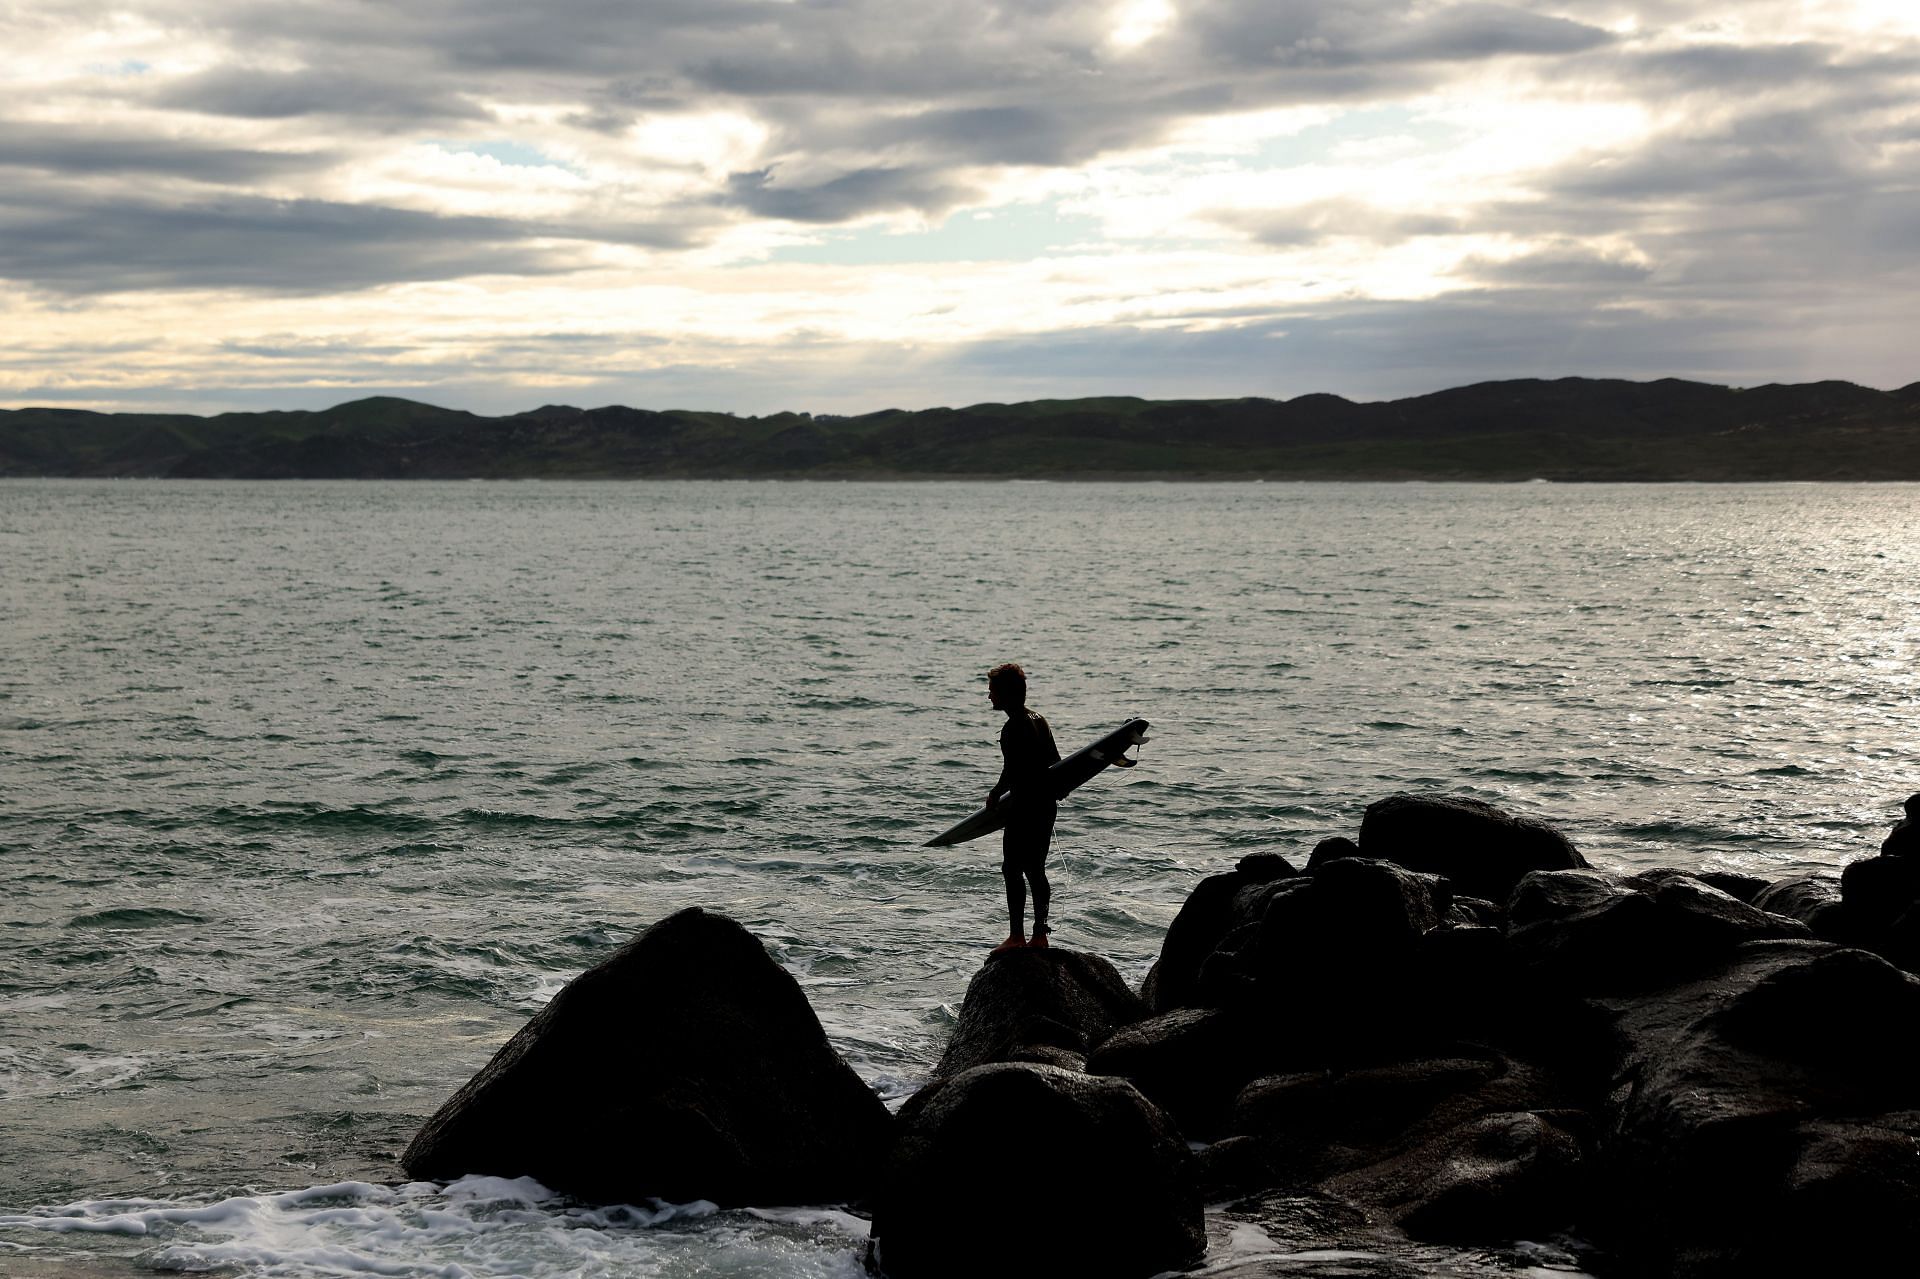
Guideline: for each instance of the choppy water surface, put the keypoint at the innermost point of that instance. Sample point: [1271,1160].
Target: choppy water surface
[311,793]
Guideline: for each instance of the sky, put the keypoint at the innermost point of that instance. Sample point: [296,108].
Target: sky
[847,205]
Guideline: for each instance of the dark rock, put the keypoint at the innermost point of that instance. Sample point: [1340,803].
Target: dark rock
[1355,908]
[1558,894]
[1313,1125]
[1904,839]
[1217,906]
[1056,1173]
[1483,850]
[1475,912]
[1750,1095]
[1471,986]
[1732,883]
[1814,900]
[1261,868]
[1508,1175]
[1844,1015]
[1023,1000]
[1877,891]
[1048,1055]
[695,1069]
[1328,850]
[1230,1168]
[1228,977]
[1901,943]
[1640,937]
[1190,1062]
[1332,965]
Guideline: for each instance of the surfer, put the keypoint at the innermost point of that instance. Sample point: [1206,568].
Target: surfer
[1026,744]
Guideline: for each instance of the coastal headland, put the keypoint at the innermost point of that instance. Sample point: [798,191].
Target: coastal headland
[1570,429]
[1449,1028]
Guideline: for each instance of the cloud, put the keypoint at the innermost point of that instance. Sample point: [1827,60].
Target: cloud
[1320,220]
[846,196]
[91,245]
[279,95]
[1594,181]
[76,150]
[1474,31]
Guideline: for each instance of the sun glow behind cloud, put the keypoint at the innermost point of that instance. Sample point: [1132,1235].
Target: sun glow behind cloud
[199,207]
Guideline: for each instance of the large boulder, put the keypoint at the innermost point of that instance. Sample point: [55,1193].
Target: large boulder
[1190,1062]
[1765,1118]
[1217,905]
[1319,1124]
[1592,936]
[1018,1166]
[686,1066]
[1877,891]
[1812,899]
[1505,1175]
[1482,849]
[1042,1005]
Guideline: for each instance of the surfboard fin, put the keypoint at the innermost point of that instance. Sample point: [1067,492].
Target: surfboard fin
[1123,762]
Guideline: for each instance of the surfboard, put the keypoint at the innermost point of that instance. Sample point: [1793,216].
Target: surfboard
[1061,780]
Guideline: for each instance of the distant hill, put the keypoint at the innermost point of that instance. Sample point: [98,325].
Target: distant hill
[1569,429]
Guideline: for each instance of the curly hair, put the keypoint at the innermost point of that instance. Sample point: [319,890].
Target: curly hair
[1009,678]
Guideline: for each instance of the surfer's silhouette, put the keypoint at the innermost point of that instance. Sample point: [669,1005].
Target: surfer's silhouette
[1026,744]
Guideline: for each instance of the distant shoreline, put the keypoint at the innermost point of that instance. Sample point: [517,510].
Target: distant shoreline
[1569,431]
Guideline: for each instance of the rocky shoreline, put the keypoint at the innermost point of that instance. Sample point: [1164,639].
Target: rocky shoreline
[1449,1029]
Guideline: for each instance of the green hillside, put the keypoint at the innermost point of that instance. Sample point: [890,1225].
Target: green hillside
[1570,429]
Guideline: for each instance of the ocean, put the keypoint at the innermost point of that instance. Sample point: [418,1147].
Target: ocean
[311,793]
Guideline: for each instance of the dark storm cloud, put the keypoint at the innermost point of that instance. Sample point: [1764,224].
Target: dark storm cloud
[850,194]
[80,151]
[84,244]
[276,95]
[1474,31]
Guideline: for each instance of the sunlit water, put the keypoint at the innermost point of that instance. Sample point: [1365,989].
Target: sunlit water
[311,793]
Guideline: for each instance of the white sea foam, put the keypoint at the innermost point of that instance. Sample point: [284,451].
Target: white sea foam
[34,1072]
[474,1228]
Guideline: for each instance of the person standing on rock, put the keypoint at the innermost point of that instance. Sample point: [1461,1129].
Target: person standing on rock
[1026,744]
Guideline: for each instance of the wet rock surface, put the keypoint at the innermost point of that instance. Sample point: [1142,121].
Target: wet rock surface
[1481,849]
[686,1066]
[1035,1005]
[1705,1074]
[1051,1171]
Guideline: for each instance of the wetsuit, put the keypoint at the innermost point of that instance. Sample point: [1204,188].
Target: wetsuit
[1026,744]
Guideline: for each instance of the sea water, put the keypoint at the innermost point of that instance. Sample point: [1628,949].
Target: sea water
[311,793]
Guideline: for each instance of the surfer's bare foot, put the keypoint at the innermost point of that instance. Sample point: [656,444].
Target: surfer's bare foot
[1039,942]
[1015,942]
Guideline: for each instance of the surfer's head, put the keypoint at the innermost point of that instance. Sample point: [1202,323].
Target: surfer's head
[1007,685]
[1913,801]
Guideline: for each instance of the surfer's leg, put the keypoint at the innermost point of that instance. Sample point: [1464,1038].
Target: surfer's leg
[1042,898]
[1036,867]
[1016,890]
[1016,900]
